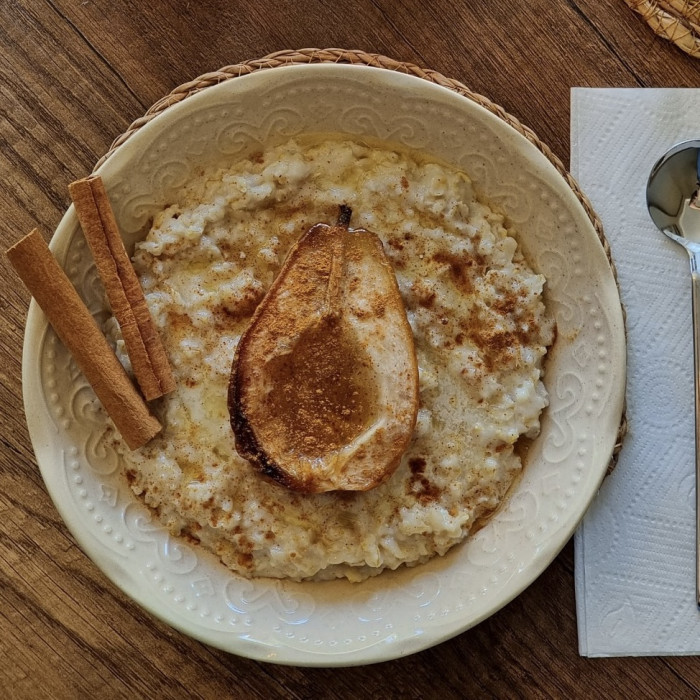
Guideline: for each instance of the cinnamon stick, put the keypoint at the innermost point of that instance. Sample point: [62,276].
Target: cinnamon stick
[79,332]
[148,358]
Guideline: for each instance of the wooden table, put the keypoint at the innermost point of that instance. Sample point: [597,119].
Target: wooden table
[73,77]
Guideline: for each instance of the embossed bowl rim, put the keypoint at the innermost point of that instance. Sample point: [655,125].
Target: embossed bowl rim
[48,445]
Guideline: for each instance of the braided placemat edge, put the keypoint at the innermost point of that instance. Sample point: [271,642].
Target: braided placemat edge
[674,20]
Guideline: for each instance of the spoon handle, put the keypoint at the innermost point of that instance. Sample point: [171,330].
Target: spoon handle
[695,275]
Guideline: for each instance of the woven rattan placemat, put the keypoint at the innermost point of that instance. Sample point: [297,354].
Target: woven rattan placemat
[306,56]
[675,20]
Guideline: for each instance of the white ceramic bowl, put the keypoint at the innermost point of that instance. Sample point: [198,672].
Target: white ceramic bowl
[338,623]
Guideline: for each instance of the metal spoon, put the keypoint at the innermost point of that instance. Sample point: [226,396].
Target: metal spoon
[673,199]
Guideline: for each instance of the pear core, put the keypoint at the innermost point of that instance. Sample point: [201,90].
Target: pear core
[321,401]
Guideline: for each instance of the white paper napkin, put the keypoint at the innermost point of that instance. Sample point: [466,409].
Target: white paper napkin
[635,550]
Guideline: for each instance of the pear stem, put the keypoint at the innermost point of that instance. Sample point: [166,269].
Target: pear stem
[344,214]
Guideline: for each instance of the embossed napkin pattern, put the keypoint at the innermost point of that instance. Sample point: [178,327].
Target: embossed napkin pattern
[635,550]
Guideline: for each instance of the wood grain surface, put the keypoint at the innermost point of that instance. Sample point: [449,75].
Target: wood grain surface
[73,75]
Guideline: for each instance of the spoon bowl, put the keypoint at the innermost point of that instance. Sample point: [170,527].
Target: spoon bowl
[673,182]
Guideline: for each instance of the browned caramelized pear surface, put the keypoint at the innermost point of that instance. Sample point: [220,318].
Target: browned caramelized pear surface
[324,385]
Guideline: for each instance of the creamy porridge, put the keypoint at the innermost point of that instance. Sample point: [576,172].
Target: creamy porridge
[480,331]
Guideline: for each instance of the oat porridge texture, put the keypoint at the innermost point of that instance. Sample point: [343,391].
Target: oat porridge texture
[480,329]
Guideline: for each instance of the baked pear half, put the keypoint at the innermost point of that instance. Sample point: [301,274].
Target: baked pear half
[324,385]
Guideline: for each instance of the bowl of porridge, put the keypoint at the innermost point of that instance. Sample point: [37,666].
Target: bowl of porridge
[519,342]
